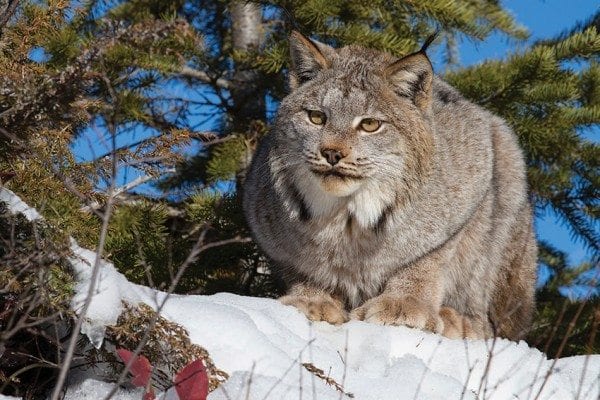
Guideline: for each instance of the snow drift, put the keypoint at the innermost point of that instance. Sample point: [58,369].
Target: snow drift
[263,346]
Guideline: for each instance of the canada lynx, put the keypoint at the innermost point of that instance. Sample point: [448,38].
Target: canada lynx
[381,194]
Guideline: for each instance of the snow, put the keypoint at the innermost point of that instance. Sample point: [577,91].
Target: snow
[258,340]
[18,206]
[93,389]
[110,289]
[262,344]
[3,397]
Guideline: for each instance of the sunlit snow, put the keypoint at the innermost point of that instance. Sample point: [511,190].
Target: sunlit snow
[262,344]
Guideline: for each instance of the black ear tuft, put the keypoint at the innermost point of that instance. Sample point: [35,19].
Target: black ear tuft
[428,41]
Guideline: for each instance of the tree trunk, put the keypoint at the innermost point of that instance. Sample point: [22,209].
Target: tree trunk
[247,94]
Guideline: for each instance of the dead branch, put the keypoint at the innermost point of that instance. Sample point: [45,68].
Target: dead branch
[202,76]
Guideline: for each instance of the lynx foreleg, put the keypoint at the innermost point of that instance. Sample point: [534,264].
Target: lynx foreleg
[412,297]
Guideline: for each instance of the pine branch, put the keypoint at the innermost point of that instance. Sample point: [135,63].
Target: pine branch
[580,224]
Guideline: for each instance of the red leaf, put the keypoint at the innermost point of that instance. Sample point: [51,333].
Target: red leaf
[140,367]
[191,383]
[149,395]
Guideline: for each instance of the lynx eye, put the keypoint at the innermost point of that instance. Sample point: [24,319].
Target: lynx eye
[369,125]
[317,117]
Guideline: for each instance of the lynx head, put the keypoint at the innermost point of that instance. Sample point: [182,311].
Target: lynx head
[355,116]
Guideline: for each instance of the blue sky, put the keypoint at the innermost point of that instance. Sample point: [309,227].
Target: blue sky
[544,19]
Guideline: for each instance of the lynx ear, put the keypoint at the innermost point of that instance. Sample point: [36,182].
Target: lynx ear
[308,58]
[411,77]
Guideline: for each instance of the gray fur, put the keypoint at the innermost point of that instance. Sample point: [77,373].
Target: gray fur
[432,213]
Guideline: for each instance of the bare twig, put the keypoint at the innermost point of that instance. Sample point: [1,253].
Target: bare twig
[249,382]
[590,347]
[300,386]
[311,359]
[27,368]
[556,325]
[561,347]
[8,12]
[15,141]
[207,138]
[120,190]
[192,256]
[142,257]
[471,369]
[202,76]
[426,370]
[345,362]
[488,366]
[327,379]
[99,250]
[297,360]
[90,293]
[73,189]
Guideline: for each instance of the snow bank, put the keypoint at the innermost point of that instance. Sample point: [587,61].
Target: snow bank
[262,345]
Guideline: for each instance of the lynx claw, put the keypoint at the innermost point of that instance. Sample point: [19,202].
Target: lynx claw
[393,310]
[317,308]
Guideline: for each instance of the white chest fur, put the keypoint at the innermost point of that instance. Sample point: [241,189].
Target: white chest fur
[365,205]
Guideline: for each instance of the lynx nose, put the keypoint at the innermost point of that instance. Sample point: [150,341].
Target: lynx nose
[332,156]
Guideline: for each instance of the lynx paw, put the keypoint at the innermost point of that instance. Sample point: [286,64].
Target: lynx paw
[458,326]
[393,310]
[318,308]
